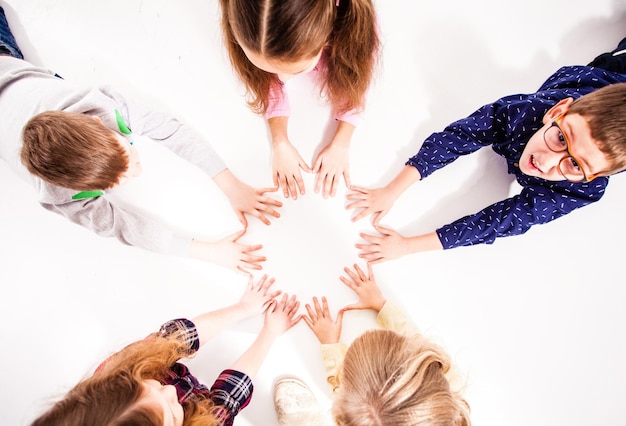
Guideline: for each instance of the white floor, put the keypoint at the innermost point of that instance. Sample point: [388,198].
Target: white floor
[535,323]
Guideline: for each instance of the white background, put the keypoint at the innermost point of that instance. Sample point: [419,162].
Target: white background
[534,323]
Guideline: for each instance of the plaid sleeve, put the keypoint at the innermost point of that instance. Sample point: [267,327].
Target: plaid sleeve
[184,330]
[231,392]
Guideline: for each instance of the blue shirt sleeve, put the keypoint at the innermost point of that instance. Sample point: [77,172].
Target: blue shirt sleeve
[536,204]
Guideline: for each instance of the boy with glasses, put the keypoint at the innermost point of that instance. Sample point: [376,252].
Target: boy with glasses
[75,144]
[561,143]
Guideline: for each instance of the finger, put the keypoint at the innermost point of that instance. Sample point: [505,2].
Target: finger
[312,314]
[370,272]
[371,238]
[352,275]
[261,218]
[370,257]
[308,321]
[360,215]
[267,210]
[292,184]
[271,201]
[339,318]
[241,271]
[318,182]
[304,166]
[346,178]
[325,307]
[249,258]
[262,191]
[318,307]
[236,235]
[275,294]
[275,180]
[242,219]
[360,272]
[349,283]
[300,183]
[329,184]
[383,230]
[294,309]
[251,247]
[317,165]
[359,189]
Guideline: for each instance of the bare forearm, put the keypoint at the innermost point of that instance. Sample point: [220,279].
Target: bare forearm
[252,359]
[211,323]
[343,134]
[424,242]
[407,177]
[278,129]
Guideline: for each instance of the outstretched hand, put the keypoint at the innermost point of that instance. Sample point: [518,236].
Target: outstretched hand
[389,245]
[245,199]
[280,315]
[286,166]
[364,285]
[321,323]
[257,297]
[376,201]
[330,165]
[228,253]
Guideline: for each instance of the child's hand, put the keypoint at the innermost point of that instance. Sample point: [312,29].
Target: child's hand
[370,296]
[286,165]
[228,253]
[245,199]
[257,297]
[391,245]
[330,165]
[280,316]
[377,201]
[321,323]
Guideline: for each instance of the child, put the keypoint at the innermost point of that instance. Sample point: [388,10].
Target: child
[560,150]
[77,144]
[271,41]
[393,376]
[144,384]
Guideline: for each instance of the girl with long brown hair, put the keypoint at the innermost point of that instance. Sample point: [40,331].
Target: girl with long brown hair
[392,376]
[271,41]
[144,384]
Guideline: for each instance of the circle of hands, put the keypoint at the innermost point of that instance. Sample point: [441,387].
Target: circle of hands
[281,311]
[330,167]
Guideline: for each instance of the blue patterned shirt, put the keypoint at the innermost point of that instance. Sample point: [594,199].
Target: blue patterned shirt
[507,125]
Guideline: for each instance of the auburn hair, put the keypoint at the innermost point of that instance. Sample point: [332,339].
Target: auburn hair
[73,150]
[112,395]
[395,380]
[605,112]
[294,30]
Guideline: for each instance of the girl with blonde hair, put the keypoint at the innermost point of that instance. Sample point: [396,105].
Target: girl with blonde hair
[144,384]
[392,376]
[271,41]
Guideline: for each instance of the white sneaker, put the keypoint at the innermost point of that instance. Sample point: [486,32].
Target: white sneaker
[296,405]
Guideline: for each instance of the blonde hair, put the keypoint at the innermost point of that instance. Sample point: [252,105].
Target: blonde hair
[605,112]
[394,380]
[294,30]
[112,395]
[72,150]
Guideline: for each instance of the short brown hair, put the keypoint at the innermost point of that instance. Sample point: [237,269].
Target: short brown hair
[72,150]
[605,113]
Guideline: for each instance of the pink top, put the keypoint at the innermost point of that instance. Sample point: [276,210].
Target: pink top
[278,105]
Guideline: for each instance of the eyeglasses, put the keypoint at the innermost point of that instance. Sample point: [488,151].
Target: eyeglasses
[569,166]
